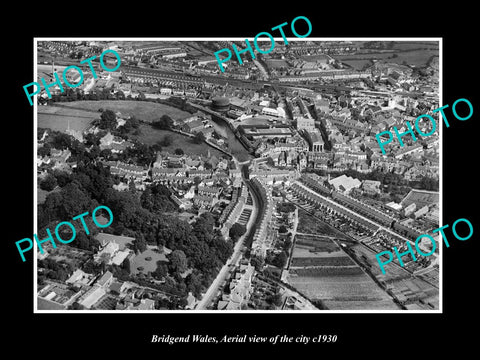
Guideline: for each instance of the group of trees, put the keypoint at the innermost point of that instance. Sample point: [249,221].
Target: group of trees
[164,123]
[108,121]
[194,246]
[236,231]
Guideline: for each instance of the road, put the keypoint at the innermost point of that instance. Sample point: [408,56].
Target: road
[219,281]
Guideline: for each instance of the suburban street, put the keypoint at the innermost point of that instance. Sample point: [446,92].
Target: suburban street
[219,281]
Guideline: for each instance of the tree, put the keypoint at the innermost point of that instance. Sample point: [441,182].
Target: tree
[178,261]
[277,299]
[282,229]
[49,183]
[108,120]
[194,284]
[44,150]
[179,151]
[166,141]
[164,123]
[161,271]
[237,230]
[139,244]
[280,260]
[199,138]
[286,207]
[197,180]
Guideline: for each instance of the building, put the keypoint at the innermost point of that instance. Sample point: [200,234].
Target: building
[105,280]
[345,183]
[318,144]
[91,296]
[193,126]
[305,124]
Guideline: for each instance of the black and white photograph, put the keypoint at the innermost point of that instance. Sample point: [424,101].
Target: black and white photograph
[216,180]
[265,186]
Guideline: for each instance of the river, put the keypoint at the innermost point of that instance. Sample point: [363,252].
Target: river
[235,147]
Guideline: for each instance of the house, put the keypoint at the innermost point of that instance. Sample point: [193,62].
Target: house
[203,201]
[118,287]
[91,296]
[105,280]
[209,191]
[80,278]
[193,126]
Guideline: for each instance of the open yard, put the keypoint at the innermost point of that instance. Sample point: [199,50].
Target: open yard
[146,261]
[143,110]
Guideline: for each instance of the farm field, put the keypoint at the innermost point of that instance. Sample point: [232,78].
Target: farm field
[143,110]
[344,292]
[400,283]
[321,270]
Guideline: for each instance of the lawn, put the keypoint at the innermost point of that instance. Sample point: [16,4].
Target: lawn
[143,110]
[146,261]
[150,136]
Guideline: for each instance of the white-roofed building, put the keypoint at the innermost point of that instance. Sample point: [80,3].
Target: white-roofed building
[345,183]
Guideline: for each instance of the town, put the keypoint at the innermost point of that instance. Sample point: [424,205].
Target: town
[261,187]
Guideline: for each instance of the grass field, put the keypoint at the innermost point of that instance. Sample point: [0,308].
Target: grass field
[60,118]
[143,110]
[146,261]
[417,57]
[150,136]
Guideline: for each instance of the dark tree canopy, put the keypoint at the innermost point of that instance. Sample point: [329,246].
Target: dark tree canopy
[237,230]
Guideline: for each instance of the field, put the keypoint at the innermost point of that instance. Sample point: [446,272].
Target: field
[322,261]
[348,291]
[418,57]
[143,110]
[400,283]
[321,270]
[150,136]
[316,244]
[420,198]
[60,118]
